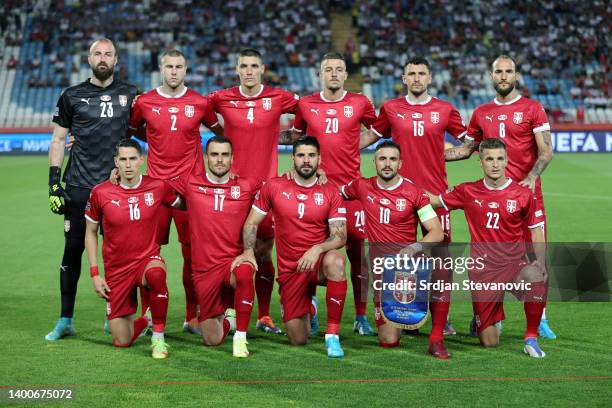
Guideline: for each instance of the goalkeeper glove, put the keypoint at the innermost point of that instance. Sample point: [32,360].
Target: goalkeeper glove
[56,192]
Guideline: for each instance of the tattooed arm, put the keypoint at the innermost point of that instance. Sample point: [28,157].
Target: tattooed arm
[249,238]
[460,152]
[545,155]
[287,137]
[336,240]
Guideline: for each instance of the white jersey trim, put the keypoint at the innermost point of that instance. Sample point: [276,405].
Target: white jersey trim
[503,187]
[165,95]
[259,210]
[176,201]
[123,186]
[393,187]
[336,219]
[249,96]
[328,100]
[443,203]
[538,225]
[497,102]
[543,128]
[88,218]
[306,185]
[216,182]
[375,132]
[343,192]
[425,102]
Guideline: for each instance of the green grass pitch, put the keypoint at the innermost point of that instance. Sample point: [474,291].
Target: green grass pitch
[576,371]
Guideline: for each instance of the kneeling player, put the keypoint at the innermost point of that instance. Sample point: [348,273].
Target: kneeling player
[311,227]
[127,212]
[217,208]
[393,208]
[497,210]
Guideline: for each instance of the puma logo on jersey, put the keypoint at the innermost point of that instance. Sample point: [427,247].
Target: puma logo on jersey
[316,111]
[337,301]
[235,103]
[371,199]
[203,189]
[288,195]
[479,202]
[85,100]
[116,202]
[246,302]
[403,116]
[489,118]
[157,110]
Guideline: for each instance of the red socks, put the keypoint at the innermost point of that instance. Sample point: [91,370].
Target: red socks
[244,294]
[439,315]
[191,300]
[334,298]
[359,276]
[144,300]
[156,281]
[534,306]
[264,282]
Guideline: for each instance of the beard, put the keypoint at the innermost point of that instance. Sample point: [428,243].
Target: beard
[307,172]
[103,75]
[504,91]
[418,93]
[387,178]
[218,173]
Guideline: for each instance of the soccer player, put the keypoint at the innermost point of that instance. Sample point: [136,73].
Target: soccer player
[172,114]
[218,207]
[393,208]
[523,125]
[418,122]
[311,222]
[334,116]
[96,113]
[251,113]
[128,213]
[497,210]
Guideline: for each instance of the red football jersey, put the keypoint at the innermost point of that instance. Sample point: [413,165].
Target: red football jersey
[216,215]
[129,220]
[515,122]
[252,123]
[173,131]
[419,130]
[337,126]
[301,216]
[391,213]
[496,215]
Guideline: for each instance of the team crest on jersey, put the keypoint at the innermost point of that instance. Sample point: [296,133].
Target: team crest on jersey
[105,98]
[173,109]
[250,104]
[302,197]
[318,198]
[348,111]
[405,284]
[149,200]
[384,201]
[502,117]
[189,111]
[266,103]
[400,204]
[235,192]
[133,200]
[435,117]
[518,117]
[123,100]
[511,206]
[330,111]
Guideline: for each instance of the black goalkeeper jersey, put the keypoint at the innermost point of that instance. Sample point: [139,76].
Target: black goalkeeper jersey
[98,118]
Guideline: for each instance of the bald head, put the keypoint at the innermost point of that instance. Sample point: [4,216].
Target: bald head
[102,59]
[104,43]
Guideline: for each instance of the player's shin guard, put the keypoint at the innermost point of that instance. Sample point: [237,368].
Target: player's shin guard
[70,271]
[533,306]
[191,300]
[264,283]
[334,299]
[359,276]
[244,294]
[156,281]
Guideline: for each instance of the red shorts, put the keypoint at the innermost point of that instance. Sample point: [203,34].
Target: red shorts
[295,291]
[181,221]
[211,287]
[488,305]
[355,220]
[123,297]
[265,230]
[444,218]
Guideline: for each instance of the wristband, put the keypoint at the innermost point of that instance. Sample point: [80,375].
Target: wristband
[55,173]
[93,271]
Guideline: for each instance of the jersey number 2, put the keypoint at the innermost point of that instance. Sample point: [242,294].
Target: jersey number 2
[107,109]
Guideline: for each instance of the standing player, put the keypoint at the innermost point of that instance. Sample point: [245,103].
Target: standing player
[334,116]
[218,207]
[393,208]
[96,113]
[172,114]
[128,213]
[311,224]
[498,210]
[251,114]
[523,125]
[418,122]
